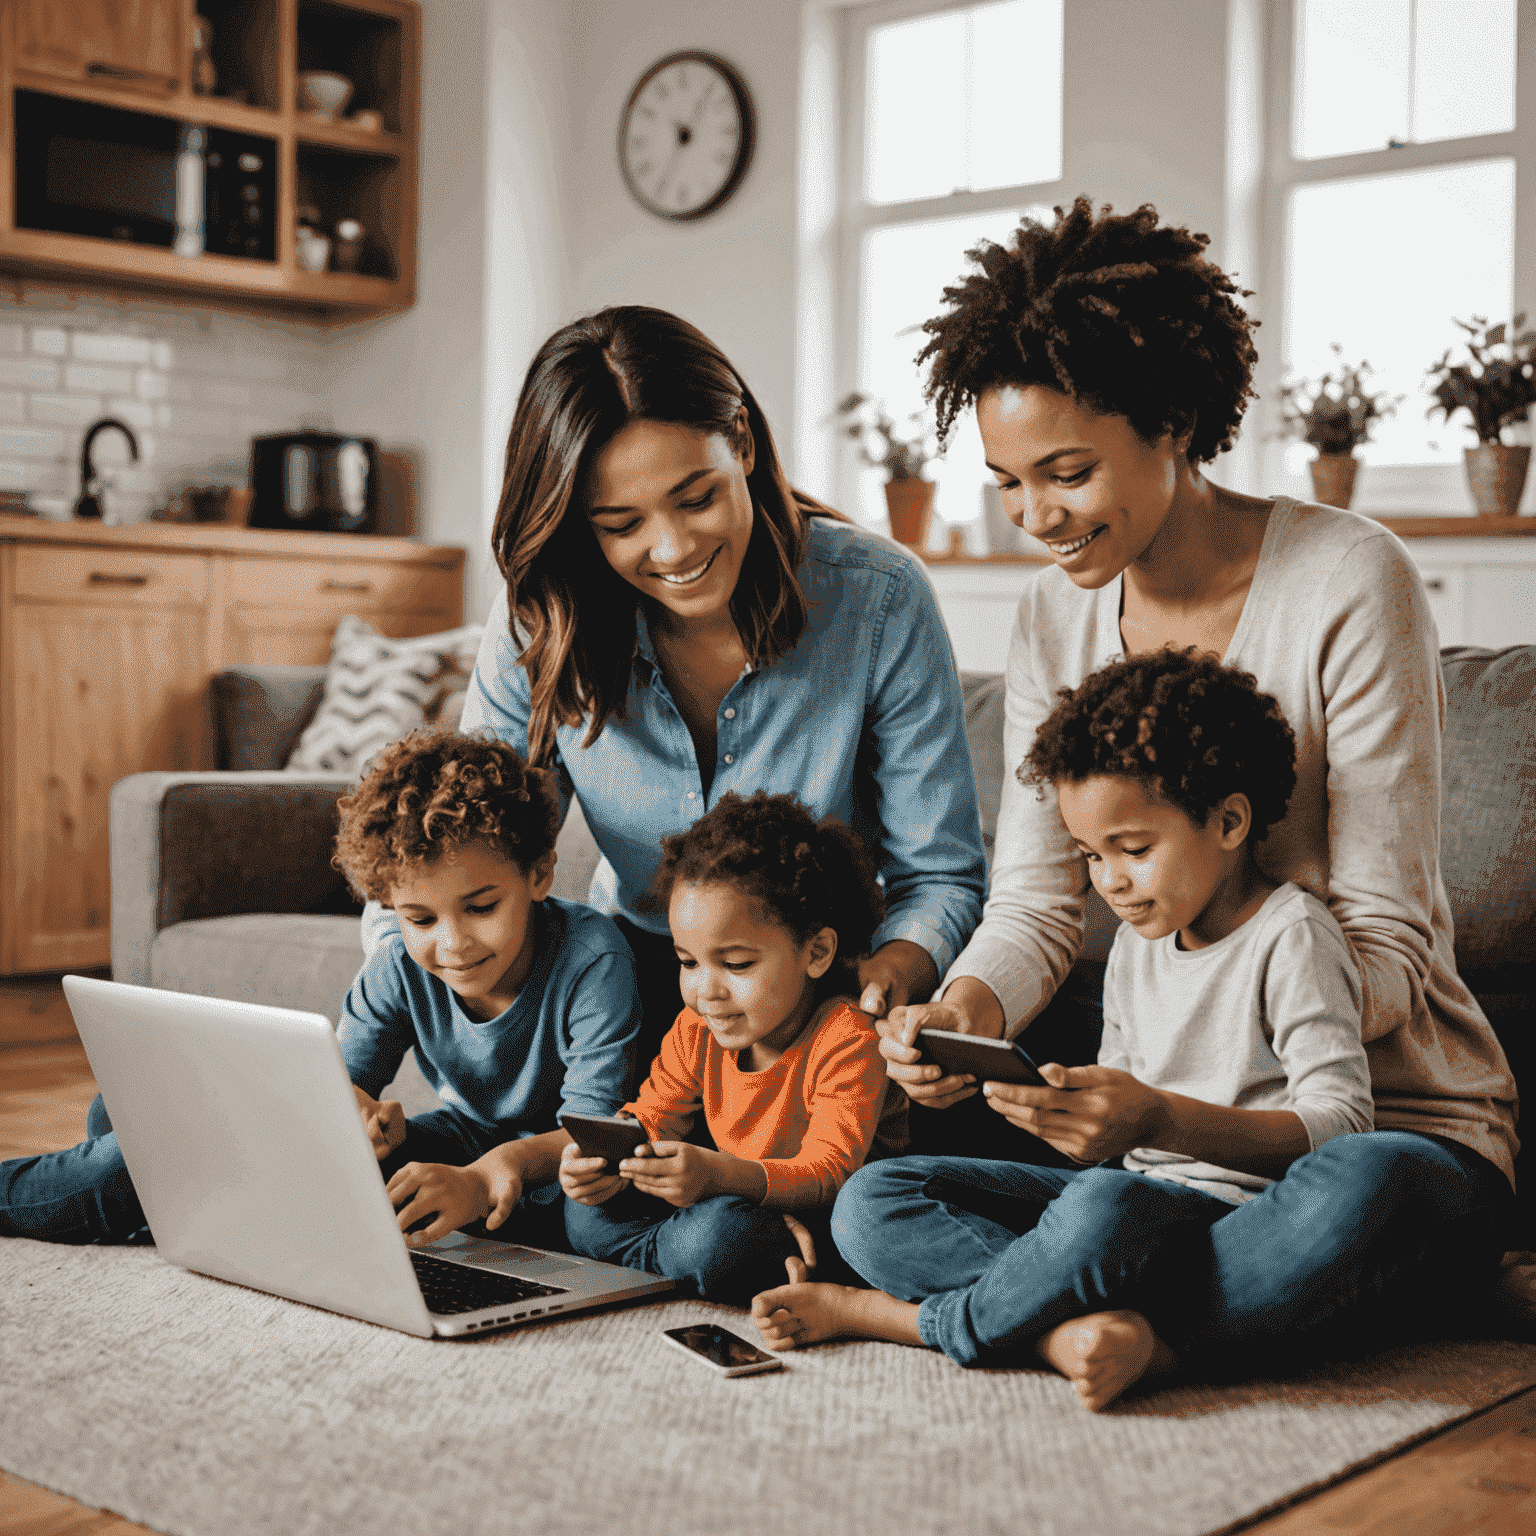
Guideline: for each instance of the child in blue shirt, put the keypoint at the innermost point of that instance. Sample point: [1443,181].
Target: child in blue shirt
[517,1004]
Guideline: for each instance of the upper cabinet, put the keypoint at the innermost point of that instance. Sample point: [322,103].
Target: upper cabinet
[130,45]
[264,151]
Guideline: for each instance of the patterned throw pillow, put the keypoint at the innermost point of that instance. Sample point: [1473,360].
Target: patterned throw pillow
[378,690]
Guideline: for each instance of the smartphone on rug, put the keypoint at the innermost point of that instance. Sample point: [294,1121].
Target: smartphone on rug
[609,1136]
[724,1352]
[987,1060]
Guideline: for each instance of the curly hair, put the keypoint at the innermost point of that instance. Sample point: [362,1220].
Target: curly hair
[805,874]
[439,790]
[1188,729]
[1117,312]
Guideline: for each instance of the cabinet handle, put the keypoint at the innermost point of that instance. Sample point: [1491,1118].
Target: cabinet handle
[118,579]
[1434,584]
[346,586]
[101,71]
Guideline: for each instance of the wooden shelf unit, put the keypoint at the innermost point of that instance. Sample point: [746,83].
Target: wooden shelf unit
[122,54]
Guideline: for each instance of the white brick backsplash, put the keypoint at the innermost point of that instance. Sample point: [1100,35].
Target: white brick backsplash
[112,349]
[13,408]
[236,395]
[150,386]
[31,443]
[50,340]
[34,476]
[28,373]
[11,337]
[190,422]
[139,416]
[65,410]
[101,381]
[162,357]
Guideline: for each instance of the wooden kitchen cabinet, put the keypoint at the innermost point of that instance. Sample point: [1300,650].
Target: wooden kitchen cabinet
[128,45]
[108,637]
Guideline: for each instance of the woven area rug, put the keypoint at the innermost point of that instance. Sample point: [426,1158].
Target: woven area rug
[198,1407]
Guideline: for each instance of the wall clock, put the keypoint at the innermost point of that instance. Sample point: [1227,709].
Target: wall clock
[686,136]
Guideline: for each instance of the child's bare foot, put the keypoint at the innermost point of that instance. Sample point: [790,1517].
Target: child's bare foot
[1104,1353]
[790,1316]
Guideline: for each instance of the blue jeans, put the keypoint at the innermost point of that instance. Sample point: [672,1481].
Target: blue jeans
[1371,1239]
[84,1194]
[723,1247]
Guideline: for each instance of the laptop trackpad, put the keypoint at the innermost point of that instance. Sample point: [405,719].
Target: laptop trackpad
[505,1258]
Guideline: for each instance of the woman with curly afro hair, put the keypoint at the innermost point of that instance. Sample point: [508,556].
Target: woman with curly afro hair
[1108,362]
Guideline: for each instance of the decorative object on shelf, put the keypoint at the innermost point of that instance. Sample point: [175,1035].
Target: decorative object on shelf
[368,120]
[903,453]
[203,74]
[323,95]
[89,504]
[311,247]
[1497,388]
[347,253]
[1334,414]
[686,135]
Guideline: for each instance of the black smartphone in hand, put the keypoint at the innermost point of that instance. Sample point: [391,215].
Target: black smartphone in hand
[610,1136]
[987,1060]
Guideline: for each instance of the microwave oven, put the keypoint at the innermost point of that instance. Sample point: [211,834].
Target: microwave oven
[108,174]
[315,480]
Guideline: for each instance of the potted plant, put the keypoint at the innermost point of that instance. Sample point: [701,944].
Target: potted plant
[1334,414]
[1496,387]
[903,452]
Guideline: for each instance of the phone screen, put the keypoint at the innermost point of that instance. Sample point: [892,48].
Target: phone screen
[720,1346]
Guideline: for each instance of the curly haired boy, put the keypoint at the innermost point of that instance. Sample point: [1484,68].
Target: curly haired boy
[1224,991]
[518,1005]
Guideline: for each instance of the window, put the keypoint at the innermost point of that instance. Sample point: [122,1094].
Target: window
[943,149]
[1398,135]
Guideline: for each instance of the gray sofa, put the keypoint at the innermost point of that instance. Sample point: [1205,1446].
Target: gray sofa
[222,884]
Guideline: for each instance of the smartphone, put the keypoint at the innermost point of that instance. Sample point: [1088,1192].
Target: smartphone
[610,1136]
[724,1352]
[988,1061]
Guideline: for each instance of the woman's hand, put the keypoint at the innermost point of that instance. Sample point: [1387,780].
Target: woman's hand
[893,975]
[1089,1113]
[384,1121]
[588,1180]
[970,1007]
[453,1197]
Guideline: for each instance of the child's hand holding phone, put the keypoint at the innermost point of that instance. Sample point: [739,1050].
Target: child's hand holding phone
[588,1180]
[384,1121]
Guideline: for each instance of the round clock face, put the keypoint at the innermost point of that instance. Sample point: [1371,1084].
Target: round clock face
[685,139]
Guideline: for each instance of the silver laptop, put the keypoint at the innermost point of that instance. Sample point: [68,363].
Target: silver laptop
[241,1132]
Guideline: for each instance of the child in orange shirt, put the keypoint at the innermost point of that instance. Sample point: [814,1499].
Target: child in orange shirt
[769,912]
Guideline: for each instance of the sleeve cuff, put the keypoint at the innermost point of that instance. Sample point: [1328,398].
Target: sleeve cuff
[915,929]
[1021,992]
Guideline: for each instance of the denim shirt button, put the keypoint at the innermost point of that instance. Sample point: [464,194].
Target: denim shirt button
[730,714]
[729,758]
[691,795]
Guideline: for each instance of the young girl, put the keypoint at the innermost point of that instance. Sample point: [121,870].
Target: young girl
[769,912]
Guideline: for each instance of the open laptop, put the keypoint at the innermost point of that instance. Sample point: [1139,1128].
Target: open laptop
[242,1135]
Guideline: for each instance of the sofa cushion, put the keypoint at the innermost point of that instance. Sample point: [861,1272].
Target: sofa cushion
[1488,815]
[259,711]
[282,959]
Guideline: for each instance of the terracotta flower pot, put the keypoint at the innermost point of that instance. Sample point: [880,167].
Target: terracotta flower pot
[909,504]
[1496,477]
[1333,478]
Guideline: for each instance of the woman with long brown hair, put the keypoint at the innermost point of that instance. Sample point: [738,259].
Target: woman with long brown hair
[678,622]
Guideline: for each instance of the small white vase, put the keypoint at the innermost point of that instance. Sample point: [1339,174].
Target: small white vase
[312,249]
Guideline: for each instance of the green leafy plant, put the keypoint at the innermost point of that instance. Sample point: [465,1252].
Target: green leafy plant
[1498,385]
[903,451]
[1334,413]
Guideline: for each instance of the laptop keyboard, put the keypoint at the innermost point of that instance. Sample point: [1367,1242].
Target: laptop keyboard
[452,1288]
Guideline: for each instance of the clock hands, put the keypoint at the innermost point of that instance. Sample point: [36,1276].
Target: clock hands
[684,138]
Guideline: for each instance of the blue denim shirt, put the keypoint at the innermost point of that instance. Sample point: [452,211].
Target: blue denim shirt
[862,720]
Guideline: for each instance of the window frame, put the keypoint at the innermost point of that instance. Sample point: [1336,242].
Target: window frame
[857,218]
[1407,488]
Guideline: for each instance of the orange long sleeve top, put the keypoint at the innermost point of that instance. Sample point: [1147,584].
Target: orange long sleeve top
[810,1119]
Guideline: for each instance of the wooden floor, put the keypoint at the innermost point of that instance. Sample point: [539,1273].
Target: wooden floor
[1478,1479]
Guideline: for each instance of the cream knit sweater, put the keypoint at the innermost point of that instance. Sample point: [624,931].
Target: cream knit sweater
[1336,626]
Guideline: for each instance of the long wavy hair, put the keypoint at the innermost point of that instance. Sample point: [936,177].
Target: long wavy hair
[573,614]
